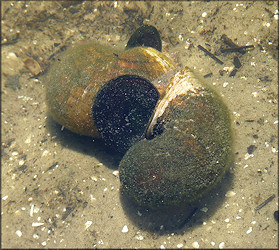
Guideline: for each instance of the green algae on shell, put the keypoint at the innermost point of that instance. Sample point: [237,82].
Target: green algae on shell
[188,151]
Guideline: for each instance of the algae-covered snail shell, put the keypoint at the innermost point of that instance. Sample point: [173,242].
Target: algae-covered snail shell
[175,130]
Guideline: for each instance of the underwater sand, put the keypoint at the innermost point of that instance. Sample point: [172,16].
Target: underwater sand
[61,190]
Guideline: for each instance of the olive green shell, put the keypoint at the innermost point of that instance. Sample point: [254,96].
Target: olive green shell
[190,151]
[189,139]
[81,71]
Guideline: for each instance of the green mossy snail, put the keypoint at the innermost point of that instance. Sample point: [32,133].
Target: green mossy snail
[175,131]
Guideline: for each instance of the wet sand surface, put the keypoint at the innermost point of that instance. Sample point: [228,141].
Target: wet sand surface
[62,190]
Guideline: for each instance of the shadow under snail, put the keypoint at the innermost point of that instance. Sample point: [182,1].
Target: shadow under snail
[174,130]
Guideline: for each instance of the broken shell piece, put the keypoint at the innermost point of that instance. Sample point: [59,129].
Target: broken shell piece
[33,66]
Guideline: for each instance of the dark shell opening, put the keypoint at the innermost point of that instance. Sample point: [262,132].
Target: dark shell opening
[146,35]
[122,109]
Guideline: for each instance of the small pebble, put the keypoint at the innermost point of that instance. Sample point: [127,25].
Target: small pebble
[276,215]
[125,229]
[162,247]
[251,149]
[179,245]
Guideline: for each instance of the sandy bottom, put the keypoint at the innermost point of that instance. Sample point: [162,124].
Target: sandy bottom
[61,190]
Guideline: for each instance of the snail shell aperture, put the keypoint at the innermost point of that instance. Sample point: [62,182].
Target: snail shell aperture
[175,130]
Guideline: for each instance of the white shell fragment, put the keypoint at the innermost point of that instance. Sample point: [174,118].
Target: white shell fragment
[204,14]
[139,237]
[32,210]
[230,193]
[37,224]
[5,197]
[221,245]
[125,229]
[115,173]
[18,233]
[88,224]
[204,209]
[249,230]
[196,244]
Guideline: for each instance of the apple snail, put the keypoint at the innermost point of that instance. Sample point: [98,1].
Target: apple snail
[173,129]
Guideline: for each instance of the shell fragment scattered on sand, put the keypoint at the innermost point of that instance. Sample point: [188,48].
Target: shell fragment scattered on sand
[125,229]
[37,224]
[230,193]
[88,224]
[221,245]
[18,233]
[195,244]
[249,230]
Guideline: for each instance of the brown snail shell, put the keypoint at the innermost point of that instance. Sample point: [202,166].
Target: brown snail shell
[74,80]
[188,147]
[176,130]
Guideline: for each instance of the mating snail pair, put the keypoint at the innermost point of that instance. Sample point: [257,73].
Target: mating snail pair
[174,130]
